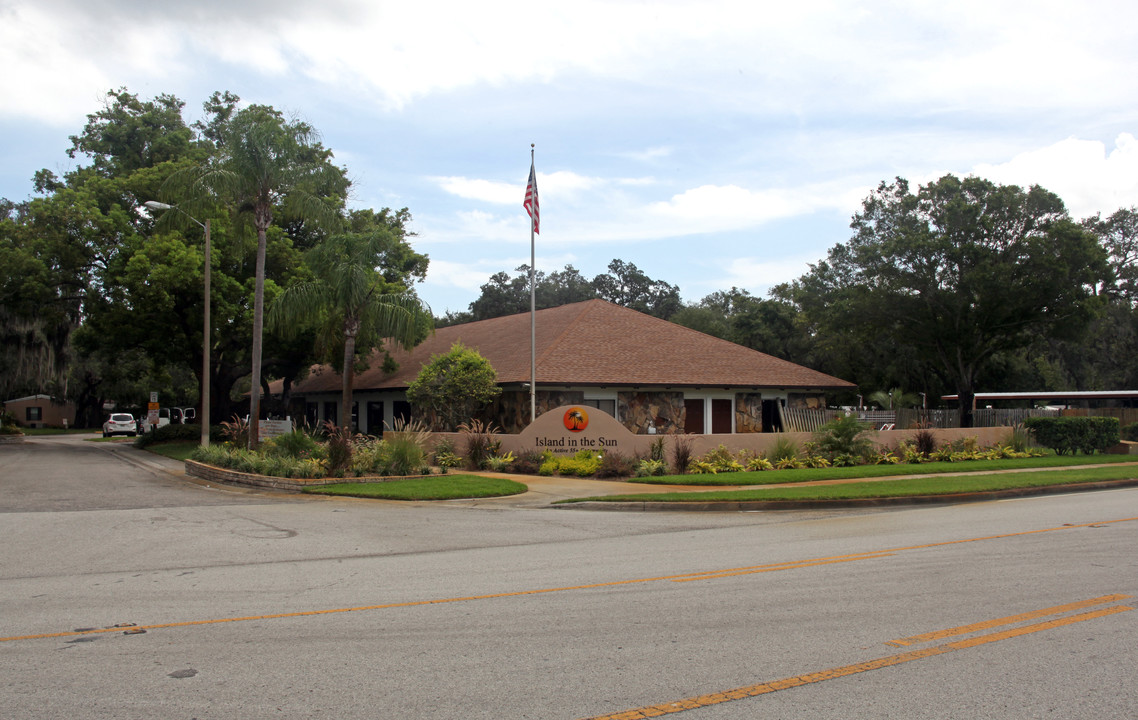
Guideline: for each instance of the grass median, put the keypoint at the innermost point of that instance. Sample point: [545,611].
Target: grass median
[434,487]
[800,475]
[929,485]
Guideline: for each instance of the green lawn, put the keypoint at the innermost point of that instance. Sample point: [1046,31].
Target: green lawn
[179,450]
[60,431]
[930,485]
[435,487]
[773,477]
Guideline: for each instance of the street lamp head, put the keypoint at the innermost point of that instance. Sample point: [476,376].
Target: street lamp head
[155,205]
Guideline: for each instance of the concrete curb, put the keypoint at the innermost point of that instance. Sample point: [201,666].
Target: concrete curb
[755,505]
[225,476]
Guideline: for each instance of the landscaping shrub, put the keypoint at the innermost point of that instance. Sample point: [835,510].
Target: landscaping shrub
[614,465]
[845,435]
[528,463]
[250,461]
[297,444]
[236,431]
[445,456]
[718,460]
[681,453]
[784,449]
[722,460]
[1020,439]
[178,433]
[1071,434]
[480,443]
[924,440]
[650,468]
[500,463]
[759,462]
[339,448]
[584,464]
[8,424]
[407,449]
[1130,432]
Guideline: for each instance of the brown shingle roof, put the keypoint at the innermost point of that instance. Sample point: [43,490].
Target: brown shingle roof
[592,343]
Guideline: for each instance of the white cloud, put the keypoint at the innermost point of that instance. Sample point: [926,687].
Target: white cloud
[758,276]
[711,208]
[1082,172]
[485,190]
[560,184]
[726,53]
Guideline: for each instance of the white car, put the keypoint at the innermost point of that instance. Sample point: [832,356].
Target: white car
[120,424]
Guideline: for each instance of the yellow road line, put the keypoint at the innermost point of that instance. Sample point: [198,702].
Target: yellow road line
[712,574]
[1012,619]
[765,688]
[782,566]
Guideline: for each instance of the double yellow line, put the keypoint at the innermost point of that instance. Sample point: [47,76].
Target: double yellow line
[687,577]
[765,688]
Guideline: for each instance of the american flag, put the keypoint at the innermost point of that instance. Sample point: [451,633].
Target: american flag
[530,203]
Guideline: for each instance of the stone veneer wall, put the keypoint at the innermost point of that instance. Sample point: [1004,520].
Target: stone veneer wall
[510,411]
[802,400]
[748,412]
[639,410]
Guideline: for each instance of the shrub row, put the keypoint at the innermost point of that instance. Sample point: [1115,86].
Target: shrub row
[1071,434]
[177,433]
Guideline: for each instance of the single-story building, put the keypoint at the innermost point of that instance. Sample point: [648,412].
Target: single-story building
[653,376]
[38,411]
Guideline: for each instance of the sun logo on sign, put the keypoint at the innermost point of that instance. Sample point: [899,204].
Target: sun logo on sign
[576,419]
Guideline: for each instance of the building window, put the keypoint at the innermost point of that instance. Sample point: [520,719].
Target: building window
[605,406]
[34,414]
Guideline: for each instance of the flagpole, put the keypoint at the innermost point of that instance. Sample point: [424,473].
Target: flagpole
[532,309]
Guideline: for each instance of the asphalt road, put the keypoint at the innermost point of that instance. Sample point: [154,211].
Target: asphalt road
[262,605]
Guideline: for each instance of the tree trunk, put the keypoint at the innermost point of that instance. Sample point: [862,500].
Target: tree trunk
[349,371]
[967,398]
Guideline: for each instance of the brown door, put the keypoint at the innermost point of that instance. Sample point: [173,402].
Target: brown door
[693,416]
[721,417]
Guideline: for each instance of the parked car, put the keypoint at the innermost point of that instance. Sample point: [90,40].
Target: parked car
[120,424]
[168,416]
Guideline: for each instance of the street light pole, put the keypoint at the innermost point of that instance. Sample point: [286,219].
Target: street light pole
[205,415]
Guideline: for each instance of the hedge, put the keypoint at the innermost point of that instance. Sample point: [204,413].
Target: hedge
[175,432]
[1071,434]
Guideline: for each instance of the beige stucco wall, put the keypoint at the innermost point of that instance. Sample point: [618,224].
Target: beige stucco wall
[603,432]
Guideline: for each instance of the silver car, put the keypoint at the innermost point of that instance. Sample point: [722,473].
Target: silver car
[120,424]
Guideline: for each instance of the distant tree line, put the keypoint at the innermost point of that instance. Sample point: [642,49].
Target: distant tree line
[959,286]
[102,300]
[623,284]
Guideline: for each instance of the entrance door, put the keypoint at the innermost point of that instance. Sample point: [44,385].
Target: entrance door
[375,417]
[771,420]
[693,416]
[401,410]
[721,417]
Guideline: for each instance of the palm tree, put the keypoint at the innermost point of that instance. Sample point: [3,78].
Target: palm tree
[894,398]
[350,300]
[263,164]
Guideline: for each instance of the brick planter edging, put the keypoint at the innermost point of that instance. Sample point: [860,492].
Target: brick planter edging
[232,477]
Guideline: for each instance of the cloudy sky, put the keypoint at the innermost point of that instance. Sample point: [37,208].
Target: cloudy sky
[711,143]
